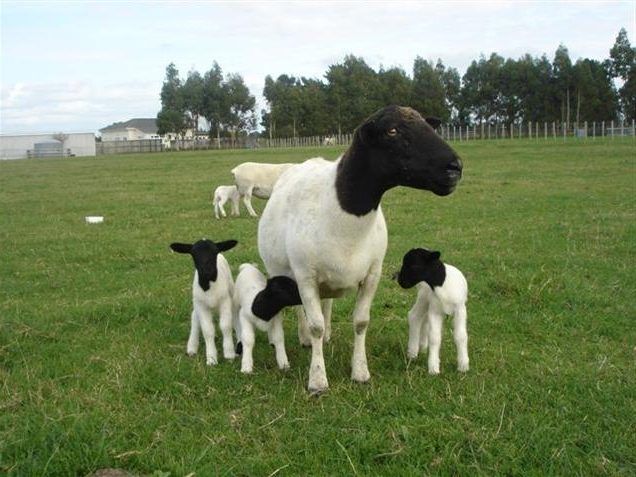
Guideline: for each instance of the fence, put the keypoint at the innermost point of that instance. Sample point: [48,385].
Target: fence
[127,147]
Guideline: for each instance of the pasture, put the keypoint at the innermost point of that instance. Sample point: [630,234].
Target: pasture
[95,318]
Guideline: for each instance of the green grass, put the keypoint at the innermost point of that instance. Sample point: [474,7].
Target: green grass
[94,321]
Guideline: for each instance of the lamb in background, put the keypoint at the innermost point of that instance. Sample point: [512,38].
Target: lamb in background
[258,179]
[258,303]
[212,290]
[323,225]
[441,290]
[222,194]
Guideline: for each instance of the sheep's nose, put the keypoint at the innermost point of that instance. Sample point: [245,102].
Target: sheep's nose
[454,168]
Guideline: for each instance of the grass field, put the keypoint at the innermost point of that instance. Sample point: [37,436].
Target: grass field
[94,322]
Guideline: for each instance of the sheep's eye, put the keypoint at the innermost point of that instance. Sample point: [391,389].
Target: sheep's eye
[392,132]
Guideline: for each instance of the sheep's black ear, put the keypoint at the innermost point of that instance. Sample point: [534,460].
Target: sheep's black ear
[435,255]
[181,247]
[433,121]
[367,132]
[227,245]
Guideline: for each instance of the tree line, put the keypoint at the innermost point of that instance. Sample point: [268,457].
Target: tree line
[492,90]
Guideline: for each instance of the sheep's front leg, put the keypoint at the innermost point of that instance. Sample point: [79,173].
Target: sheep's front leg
[304,337]
[326,306]
[435,321]
[316,323]
[460,334]
[247,200]
[207,327]
[193,340]
[277,338]
[222,207]
[247,338]
[361,317]
[225,322]
[415,331]
[216,208]
[235,205]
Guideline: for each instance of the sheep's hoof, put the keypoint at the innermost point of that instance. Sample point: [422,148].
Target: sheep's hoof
[246,370]
[433,371]
[462,367]
[230,356]
[284,367]
[212,362]
[191,353]
[315,392]
[412,355]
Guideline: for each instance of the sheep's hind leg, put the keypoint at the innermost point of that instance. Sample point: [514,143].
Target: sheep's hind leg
[193,340]
[304,337]
[247,200]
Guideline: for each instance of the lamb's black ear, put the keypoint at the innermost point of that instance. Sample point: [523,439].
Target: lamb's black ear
[181,247]
[227,245]
[435,255]
[433,121]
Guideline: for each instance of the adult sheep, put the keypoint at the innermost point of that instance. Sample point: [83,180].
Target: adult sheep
[323,225]
[258,179]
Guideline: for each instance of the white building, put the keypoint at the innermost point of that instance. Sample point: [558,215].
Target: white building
[46,145]
[131,130]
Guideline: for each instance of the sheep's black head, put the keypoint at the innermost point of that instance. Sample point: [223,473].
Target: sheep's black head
[405,149]
[279,292]
[420,265]
[204,253]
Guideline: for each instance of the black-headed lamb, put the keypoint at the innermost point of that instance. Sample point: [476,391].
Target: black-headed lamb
[212,290]
[323,225]
[258,179]
[441,290]
[258,302]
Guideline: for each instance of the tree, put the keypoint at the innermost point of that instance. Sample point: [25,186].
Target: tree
[562,71]
[172,117]
[238,106]
[427,94]
[193,98]
[394,87]
[622,64]
[213,100]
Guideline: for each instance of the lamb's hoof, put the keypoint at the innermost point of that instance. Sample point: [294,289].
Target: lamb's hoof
[433,371]
[246,371]
[462,367]
[230,356]
[315,392]
[284,367]
[211,361]
[192,354]
[412,355]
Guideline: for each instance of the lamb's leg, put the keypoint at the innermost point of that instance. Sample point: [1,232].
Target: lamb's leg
[316,322]
[277,338]
[361,317]
[424,333]
[193,340]
[222,206]
[326,312]
[460,334]
[216,206]
[247,200]
[225,322]
[247,338]
[435,321]
[304,337]
[415,328]
[207,327]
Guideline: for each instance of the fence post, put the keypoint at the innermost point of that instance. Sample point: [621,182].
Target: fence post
[585,126]
[612,126]
[633,129]
[564,127]
[545,131]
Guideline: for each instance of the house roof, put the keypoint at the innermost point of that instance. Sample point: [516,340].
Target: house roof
[146,125]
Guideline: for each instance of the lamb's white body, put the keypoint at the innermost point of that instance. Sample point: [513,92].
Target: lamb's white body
[222,194]
[258,179]
[427,315]
[218,298]
[249,282]
[306,235]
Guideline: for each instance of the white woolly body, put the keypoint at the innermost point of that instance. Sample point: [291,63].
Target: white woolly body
[427,315]
[260,177]
[222,194]
[249,282]
[305,234]
[217,298]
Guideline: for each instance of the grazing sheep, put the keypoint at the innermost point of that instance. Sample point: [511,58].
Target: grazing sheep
[212,289]
[222,194]
[258,302]
[323,225]
[441,290]
[254,178]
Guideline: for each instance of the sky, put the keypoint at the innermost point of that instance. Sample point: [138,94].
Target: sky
[78,66]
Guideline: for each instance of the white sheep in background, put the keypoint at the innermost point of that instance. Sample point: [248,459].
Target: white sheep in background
[212,290]
[222,194]
[258,179]
[323,225]
[258,302]
[441,290]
